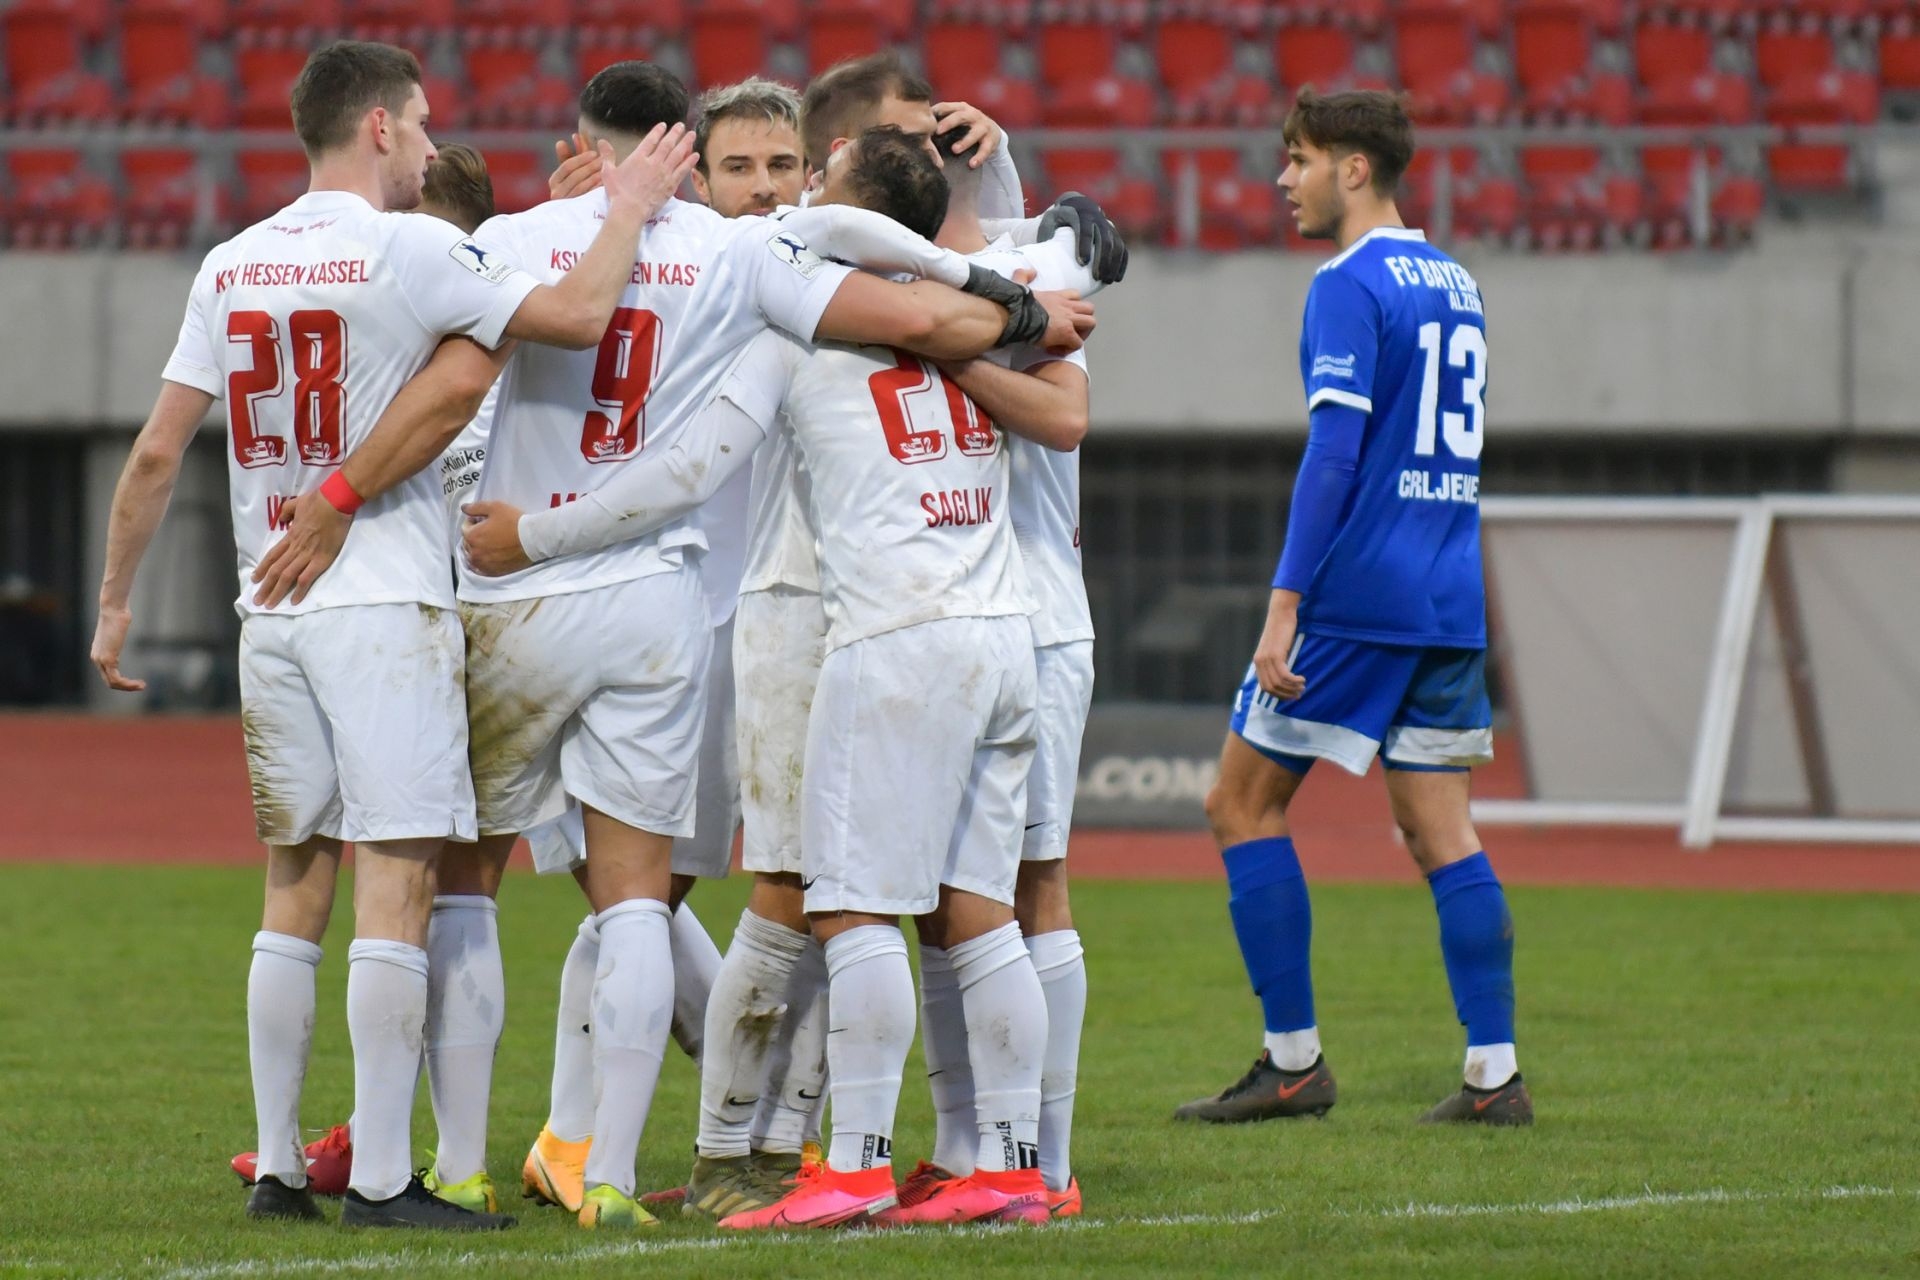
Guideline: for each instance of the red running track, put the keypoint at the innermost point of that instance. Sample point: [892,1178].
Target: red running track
[173,789]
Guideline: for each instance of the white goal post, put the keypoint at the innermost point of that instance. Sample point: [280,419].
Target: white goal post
[1735,668]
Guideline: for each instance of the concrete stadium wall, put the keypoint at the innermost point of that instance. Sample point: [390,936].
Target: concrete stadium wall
[1810,333]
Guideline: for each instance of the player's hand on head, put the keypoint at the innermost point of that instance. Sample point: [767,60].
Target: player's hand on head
[316,530]
[1097,243]
[647,179]
[1270,657]
[1069,321]
[109,638]
[491,539]
[981,131]
[579,170]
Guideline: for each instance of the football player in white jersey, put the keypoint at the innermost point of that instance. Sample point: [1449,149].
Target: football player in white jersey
[639,499]
[308,324]
[749,273]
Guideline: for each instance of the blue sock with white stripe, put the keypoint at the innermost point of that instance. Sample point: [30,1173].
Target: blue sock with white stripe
[1273,920]
[1476,941]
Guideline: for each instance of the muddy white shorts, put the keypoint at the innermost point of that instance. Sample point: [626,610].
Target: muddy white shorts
[917,757]
[355,724]
[1065,680]
[708,852]
[779,636]
[597,696]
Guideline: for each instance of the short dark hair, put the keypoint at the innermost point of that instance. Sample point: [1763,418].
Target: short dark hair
[846,91]
[1368,121]
[458,187]
[956,159]
[343,81]
[754,99]
[893,174]
[632,97]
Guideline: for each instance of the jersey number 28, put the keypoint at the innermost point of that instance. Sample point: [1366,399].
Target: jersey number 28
[1465,433]
[318,340]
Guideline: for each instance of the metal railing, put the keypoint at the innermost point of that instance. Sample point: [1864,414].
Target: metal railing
[1498,145]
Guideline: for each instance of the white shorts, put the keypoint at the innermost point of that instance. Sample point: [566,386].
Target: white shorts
[708,852]
[917,759]
[779,638]
[593,696]
[1065,681]
[355,725]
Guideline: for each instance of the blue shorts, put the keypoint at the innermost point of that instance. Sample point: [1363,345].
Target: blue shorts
[1416,708]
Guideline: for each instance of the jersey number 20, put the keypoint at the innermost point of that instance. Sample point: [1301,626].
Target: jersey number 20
[899,392]
[1465,433]
[319,344]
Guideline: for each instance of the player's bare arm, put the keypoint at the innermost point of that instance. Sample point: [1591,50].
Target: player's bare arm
[433,408]
[139,501]
[1272,656]
[1047,405]
[932,320]
[574,312]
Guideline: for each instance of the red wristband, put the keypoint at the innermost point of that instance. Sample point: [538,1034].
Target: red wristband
[337,491]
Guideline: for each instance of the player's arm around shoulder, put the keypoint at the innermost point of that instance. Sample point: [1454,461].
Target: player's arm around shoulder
[1048,404]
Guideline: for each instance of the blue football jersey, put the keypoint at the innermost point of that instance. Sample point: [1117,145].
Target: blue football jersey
[1394,328]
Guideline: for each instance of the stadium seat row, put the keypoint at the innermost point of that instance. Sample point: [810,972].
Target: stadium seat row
[168,61]
[1560,197]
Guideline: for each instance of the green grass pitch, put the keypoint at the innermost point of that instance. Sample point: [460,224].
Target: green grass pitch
[1727,1085]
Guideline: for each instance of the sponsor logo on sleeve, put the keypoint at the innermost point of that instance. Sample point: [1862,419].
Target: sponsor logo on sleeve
[793,251]
[488,265]
[1333,367]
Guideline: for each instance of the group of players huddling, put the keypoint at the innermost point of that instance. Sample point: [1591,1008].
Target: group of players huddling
[767,519]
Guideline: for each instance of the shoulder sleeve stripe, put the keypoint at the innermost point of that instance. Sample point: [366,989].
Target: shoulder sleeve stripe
[1332,395]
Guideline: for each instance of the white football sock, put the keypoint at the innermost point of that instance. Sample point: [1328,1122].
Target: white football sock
[632,1010]
[872,989]
[1061,964]
[1294,1050]
[1007,1044]
[943,1039]
[696,963]
[1490,1065]
[570,1104]
[387,1017]
[743,1019]
[466,1009]
[796,1086]
[280,1004]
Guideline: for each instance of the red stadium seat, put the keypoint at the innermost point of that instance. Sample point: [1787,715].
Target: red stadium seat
[1712,98]
[1900,60]
[1238,212]
[1487,209]
[726,49]
[45,64]
[831,40]
[519,180]
[510,88]
[1108,101]
[1781,55]
[163,193]
[894,18]
[268,181]
[404,21]
[1552,51]
[1081,170]
[55,201]
[1432,47]
[1318,56]
[159,56]
[1012,16]
[1015,104]
[1192,54]
[530,21]
[599,49]
[1072,52]
[1418,194]
[961,53]
[1606,97]
[1127,17]
[1663,52]
[266,80]
[1832,97]
[657,18]
[1738,206]
[1464,97]
[780,18]
[286,22]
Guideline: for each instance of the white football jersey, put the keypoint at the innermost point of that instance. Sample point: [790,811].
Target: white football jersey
[459,474]
[308,324]
[780,549]
[906,484]
[702,287]
[1045,493]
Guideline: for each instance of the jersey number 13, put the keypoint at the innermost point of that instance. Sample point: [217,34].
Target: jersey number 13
[1465,433]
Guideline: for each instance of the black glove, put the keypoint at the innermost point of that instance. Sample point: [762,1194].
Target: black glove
[1097,243]
[1027,320]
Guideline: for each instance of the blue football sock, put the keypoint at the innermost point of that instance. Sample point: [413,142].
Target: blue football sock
[1274,922]
[1476,941]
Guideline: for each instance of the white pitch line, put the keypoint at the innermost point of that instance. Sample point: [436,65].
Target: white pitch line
[412,1259]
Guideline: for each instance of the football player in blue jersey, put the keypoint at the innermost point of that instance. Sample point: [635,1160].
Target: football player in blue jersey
[1375,640]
